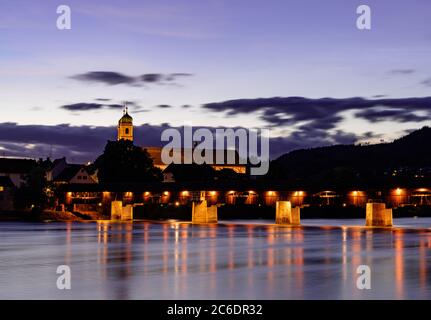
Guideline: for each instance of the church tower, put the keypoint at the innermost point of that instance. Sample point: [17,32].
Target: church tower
[125,126]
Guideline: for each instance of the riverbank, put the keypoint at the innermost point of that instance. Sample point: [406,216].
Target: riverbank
[48,216]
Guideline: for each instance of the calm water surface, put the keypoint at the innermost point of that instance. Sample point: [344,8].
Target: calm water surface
[233,260]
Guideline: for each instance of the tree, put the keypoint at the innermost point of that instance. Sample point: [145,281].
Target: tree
[35,193]
[122,162]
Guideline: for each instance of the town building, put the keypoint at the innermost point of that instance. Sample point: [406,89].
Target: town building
[6,193]
[16,169]
[62,172]
[125,132]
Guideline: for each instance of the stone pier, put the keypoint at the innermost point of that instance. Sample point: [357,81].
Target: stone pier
[118,212]
[378,216]
[127,212]
[201,213]
[285,214]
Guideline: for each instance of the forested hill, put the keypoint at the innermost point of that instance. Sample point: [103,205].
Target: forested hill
[405,161]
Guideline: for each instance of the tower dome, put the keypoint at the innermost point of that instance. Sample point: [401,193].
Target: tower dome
[126,118]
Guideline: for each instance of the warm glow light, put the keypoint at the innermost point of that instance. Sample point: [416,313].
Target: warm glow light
[129,194]
[69,194]
[355,193]
[146,193]
[166,193]
[185,193]
[301,193]
[213,193]
[230,192]
[177,203]
[251,191]
[398,191]
[270,193]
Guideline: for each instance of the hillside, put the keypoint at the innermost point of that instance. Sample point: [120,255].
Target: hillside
[406,161]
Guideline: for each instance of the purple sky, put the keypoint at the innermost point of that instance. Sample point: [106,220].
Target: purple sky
[203,54]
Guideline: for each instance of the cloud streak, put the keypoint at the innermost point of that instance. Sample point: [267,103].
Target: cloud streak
[326,113]
[82,106]
[402,71]
[116,78]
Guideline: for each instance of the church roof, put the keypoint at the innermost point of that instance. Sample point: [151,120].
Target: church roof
[68,173]
[225,155]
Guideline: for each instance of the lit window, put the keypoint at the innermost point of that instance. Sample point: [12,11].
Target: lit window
[1,188]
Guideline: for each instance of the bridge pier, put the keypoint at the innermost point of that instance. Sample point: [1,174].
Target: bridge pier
[201,213]
[285,214]
[118,212]
[378,216]
[127,212]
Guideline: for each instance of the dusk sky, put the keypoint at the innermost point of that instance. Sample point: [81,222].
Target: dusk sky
[233,63]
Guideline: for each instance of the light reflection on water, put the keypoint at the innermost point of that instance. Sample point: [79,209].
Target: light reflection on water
[144,260]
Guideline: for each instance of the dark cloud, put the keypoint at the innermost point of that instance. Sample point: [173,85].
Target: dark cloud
[186,106]
[103,99]
[161,78]
[115,78]
[164,106]
[325,112]
[427,82]
[402,71]
[174,76]
[82,106]
[152,77]
[106,77]
[397,115]
[77,143]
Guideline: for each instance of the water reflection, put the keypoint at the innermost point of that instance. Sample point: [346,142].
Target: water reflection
[271,258]
[183,261]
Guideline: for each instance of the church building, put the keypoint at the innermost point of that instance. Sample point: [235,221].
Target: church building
[125,132]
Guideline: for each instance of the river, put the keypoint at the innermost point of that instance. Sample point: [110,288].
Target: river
[231,260]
